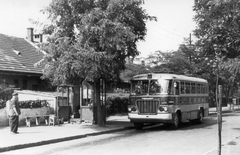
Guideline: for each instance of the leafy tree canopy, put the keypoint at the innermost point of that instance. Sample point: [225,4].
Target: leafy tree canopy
[218,27]
[90,39]
[170,62]
[219,40]
[134,69]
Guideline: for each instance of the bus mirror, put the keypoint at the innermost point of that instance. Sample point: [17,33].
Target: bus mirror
[175,84]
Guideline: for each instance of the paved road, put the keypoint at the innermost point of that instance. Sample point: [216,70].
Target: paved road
[188,140]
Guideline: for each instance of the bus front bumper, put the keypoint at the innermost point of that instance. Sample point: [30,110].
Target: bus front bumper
[144,118]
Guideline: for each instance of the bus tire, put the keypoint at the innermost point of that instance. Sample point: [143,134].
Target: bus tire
[200,116]
[138,126]
[176,120]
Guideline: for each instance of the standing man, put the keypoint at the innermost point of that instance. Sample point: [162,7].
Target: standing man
[14,112]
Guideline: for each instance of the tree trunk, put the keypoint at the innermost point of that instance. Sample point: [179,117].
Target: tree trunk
[76,100]
[99,106]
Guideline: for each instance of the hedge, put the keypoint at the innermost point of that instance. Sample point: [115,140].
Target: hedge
[117,105]
[114,104]
[28,104]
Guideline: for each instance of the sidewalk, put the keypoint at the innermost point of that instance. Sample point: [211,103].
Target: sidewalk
[230,147]
[224,109]
[41,135]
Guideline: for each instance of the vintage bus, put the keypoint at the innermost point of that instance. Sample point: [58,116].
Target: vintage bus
[167,98]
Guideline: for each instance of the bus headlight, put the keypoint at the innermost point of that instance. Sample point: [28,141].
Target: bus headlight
[163,109]
[132,108]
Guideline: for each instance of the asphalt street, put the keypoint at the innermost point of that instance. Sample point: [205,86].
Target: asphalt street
[188,140]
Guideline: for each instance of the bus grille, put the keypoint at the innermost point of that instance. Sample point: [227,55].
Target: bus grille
[147,106]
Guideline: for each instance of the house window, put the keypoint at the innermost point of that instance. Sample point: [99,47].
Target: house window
[37,36]
[24,84]
[34,87]
[16,83]
[86,96]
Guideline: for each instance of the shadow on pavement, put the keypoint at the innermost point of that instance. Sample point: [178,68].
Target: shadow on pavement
[207,123]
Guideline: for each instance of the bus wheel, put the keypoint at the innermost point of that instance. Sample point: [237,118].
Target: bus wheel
[138,126]
[176,120]
[200,116]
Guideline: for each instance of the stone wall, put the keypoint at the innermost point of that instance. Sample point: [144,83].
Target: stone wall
[24,113]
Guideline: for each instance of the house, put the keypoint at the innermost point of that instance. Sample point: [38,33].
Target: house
[17,59]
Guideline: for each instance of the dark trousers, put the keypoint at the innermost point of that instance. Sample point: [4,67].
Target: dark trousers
[14,123]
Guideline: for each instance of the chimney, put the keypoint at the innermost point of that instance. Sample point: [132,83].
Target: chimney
[41,38]
[30,34]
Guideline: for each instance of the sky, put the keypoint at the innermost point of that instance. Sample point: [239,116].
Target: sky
[174,21]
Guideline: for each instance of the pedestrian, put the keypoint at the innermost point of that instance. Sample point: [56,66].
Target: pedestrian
[14,112]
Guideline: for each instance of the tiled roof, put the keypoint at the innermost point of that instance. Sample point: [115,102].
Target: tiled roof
[18,55]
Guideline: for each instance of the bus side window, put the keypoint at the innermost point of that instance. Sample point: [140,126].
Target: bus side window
[182,88]
[202,89]
[198,88]
[170,87]
[193,88]
[187,85]
[176,86]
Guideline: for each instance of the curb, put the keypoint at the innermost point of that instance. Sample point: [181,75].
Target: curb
[51,141]
[226,111]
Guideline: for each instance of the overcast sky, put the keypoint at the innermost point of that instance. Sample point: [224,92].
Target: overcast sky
[175,21]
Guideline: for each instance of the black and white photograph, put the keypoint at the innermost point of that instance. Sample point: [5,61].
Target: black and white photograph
[119,77]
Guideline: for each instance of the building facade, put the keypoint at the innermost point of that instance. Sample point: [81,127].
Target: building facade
[17,59]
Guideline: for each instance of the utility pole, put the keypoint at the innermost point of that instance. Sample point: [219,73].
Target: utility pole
[190,48]
[219,118]
[190,39]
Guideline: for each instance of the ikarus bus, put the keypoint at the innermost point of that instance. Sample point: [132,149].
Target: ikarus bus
[167,98]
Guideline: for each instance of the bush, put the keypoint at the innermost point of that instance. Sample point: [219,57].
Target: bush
[117,105]
[33,104]
[27,104]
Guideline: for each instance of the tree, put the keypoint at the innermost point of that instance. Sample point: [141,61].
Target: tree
[218,33]
[171,62]
[218,39]
[90,39]
[218,26]
[6,91]
[134,69]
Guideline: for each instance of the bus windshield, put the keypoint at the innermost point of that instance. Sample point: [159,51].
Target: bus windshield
[151,87]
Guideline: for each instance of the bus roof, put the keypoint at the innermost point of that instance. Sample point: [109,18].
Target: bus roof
[168,76]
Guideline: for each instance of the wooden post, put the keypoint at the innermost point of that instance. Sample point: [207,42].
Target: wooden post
[103,99]
[81,98]
[219,119]
[99,104]
[57,105]
[94,103]
[238,95]
[68,114]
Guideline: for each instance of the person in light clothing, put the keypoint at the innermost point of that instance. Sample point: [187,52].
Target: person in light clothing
[13,113]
